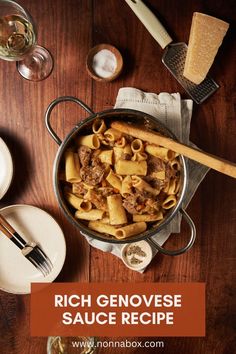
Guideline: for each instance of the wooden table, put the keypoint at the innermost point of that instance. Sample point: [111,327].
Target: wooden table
[69,28]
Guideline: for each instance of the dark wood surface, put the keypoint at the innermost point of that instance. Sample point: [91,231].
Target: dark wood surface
[69,28]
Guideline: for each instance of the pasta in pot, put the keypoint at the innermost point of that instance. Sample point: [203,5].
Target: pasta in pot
[72,167]
[112,135]
[137,145]
[160,152]
[126,187]
[130,230]
[116,210]
[148,217]
[93,214]
[99,126]
[142,186]
[139,156]
[92,141]
[128,167]
[118,153]
[121,142]
[114,180]
[78,203]
[106,156]
[119,185]
[101,227]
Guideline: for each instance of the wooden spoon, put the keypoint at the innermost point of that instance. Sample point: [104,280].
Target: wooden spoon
[214,162]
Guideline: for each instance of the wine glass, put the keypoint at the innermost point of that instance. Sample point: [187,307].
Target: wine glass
[18,42]
[63,345]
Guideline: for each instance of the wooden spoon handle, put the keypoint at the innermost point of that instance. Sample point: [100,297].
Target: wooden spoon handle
[214,162]
[6,224]
[5,231]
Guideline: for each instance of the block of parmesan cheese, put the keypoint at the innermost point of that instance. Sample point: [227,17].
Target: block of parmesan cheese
[206,36]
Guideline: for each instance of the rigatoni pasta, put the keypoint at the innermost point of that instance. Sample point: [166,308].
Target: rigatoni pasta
[143,186]
[121,142]
[137,145]
[173,186]
[106,156]
[114,180]
[127,150]
[126,187]
[93,214]
[116,184]
[175,164]
[112,135]
[128,167]
[161,152]
[78,203]
[102,227]
[139,156]
[130,230]
[99,126]
[116,210]
[118,153]
[169,202]
[148,217]
[72,167]
[91,141]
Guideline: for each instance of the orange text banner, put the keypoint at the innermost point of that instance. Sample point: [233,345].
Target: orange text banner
[118,309]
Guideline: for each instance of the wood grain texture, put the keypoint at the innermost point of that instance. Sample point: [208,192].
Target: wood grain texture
[69,28]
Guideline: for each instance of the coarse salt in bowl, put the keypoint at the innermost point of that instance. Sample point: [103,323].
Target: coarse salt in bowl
[104,62]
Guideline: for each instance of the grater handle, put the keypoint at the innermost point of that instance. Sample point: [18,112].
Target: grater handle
[150,21]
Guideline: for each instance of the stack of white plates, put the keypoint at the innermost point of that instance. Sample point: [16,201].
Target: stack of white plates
[6,168]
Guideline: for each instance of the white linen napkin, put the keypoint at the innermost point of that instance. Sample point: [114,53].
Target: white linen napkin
[176,115]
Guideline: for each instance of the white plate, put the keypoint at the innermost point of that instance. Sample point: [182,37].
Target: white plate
[33,224]
[6,168]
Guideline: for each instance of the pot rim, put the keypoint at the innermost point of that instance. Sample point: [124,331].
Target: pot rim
[83,228]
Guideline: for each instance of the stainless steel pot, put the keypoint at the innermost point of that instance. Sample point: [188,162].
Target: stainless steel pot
[85,125]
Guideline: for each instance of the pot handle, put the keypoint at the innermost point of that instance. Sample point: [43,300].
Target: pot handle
[56,102]
[185,248]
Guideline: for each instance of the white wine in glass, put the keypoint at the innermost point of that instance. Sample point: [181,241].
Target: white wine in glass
[18,42]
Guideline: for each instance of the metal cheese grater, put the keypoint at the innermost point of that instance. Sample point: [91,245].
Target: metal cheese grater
[174,55]
[174,59]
